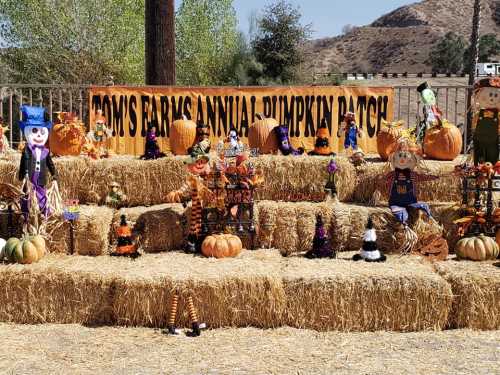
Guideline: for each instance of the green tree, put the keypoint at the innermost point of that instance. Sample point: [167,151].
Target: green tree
[447,55]
[488,47]
[278,41]
[73,41]
[207,40]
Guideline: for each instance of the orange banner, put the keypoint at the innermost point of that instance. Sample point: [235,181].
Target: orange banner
[129,111]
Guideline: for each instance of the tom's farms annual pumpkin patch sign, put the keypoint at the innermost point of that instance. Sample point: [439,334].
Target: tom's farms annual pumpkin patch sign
[131,110]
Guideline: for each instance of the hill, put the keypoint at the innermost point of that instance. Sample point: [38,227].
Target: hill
[400,41]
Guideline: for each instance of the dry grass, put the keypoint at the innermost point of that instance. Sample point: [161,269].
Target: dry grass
[259,288]
[63,349]
[476,287]
[286,179]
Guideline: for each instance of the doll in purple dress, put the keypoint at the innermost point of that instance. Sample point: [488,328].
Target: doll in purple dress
[152,150]
[284,144]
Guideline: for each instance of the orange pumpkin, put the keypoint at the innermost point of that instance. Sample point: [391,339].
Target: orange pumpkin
[221,246]
[68,136]
[443,142]
[182,136]
[388,137]
[261,135]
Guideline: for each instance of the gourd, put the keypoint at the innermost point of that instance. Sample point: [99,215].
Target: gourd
[443,142]
[25,251]
[67,137]
[261,135]
[221,246]
[477,248]
[388,137]
[182,136]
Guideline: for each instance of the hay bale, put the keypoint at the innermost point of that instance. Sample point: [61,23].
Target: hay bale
[400,295]
[476,290]
[162,228]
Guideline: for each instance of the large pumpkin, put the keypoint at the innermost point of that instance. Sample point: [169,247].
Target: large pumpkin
[388,137]
[261,135]
[25,251]
[68,136]
[477,248]
[443,142]
[2,248]
[221,246]
[182,136]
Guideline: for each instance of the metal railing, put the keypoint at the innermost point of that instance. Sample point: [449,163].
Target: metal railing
[74,98]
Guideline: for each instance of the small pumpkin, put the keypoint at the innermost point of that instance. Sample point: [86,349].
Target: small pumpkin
[477,248]
[68,136]
[261,135]
[443,142]
[25,251]
[221,246]
[388,137]
[182,136]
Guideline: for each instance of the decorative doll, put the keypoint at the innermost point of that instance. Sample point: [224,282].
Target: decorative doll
[284,144]
[235,146]
[322,247]
[194,189]
[125,245]
[4,143]
[487,105]
[358,157]
[369,251]
[202,142]
[331,187]
[322,144]
[115,197]
[432,114]
[100,135]
[152,150]
[351,131]
[36,161]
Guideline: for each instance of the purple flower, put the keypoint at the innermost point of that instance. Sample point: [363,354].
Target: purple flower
[332,166]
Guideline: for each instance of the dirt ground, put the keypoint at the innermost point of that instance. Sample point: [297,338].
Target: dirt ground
[73,349]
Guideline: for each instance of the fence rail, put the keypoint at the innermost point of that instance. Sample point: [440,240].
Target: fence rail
[74,98]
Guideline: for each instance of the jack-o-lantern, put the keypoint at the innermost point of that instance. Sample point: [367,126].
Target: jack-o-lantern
[388,137]
[261,135]
[443,141]
[322,144]
[182,136]
[67,136]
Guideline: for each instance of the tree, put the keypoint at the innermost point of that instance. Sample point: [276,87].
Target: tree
[447,55]
[488,46]
[206,41]
[279,38]
[73,41]
[160,42]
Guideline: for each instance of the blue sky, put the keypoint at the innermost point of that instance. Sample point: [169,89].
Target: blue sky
[327,16]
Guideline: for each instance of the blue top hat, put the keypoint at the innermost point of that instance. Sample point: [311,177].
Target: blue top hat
[34,116]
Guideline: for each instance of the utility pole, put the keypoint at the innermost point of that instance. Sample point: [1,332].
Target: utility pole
[474,41]
[160,42]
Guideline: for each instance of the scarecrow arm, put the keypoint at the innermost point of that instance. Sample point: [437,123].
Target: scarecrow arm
[23,168]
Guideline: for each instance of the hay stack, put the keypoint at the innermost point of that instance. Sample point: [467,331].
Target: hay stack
[400,295]
[476,290]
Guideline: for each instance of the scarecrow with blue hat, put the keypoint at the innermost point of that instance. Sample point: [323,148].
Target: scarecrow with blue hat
[36,161]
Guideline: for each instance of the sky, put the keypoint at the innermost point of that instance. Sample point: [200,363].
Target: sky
[327,16]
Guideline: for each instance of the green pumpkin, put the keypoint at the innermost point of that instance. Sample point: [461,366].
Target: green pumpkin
[10,248]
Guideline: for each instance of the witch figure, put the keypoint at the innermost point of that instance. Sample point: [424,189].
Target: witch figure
[152,150]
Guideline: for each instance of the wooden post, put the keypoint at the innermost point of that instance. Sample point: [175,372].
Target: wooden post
[160,42]
[474,41]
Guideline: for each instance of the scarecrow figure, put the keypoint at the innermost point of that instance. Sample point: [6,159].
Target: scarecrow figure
[284,144]
[4,143]
[115,197]
[432,114]
[351,131]
[195,190]
[152,150]
[36,161]
[100,135]
[487,105]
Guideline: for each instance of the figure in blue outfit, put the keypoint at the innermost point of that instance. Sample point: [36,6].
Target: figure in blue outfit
[351,131]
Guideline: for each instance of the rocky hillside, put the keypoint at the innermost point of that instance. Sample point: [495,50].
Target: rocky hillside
[400,41]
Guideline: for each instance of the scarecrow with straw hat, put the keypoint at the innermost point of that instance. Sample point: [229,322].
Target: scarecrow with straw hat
[36,161]
[351,131]
[100,135]
[194,189]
